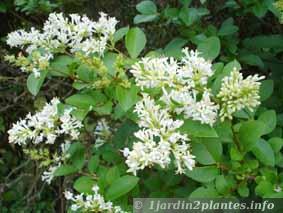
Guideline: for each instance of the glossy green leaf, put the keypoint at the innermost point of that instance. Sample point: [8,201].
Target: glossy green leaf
[249,134]
[34,83]
[209,48]
[146,7]
[266,89]
[269,119]
[196,129]
[84,184]
[203,174]
[93,163]
[135,41]
[144,18]
[264,152]
[127,97]
[121,186]
[65,170]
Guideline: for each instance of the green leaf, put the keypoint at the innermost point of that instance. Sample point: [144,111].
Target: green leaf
[209,48]
[269,119]
[84,184]
[174,47]
[203,156]
[266,89]
[109,61]
[230,67]
[264,188]
[207,150]
[249,133]
[119,34]
[203,174]
[276,144]
[259,9]
[127,97]
[112,175]
[135,41]
[243,190]
[77,157]
[86,100]
[144,18]
[65,170]
[264,41]
[146,7]
[186,3]
[85,73]
[235,154]
[224,131]
[196,129]
[34,84]
[264,153]
[60,65]
[204,192]
[251,59]
[221,184]
[121,186]
[105,109]
[93,163]
[227,28]
[191,15]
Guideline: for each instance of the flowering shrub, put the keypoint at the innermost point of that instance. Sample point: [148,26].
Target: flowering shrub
[137,123]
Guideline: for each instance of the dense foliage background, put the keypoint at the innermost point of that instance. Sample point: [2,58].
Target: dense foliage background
[248,32]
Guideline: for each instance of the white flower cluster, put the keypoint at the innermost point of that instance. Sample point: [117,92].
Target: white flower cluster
[237,93]
[181,84]
[45,126]
[92,203]
[48,175]
[60,34]
[102,133]
[158,139]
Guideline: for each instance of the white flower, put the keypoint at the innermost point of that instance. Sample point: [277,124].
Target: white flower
[237,93]
[91,203]
[195,68]
[155,72]
[105,25]
[204,110]
[150,115]
[277,188]
[102,133]
[20,38]
[61,34]
[45,126]
[183,157]
[185,101]
[48,175]
[157,139]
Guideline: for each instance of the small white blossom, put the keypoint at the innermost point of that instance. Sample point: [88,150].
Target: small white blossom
[237,93]
[157,139]
[277,188]
[91,203]
[61,34]
[44,126]
[183,157]
[155,72]
[102,133]
[48,175]
[195,68]
[204,110]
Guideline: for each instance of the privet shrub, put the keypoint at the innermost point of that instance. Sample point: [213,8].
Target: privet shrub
[151,126]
